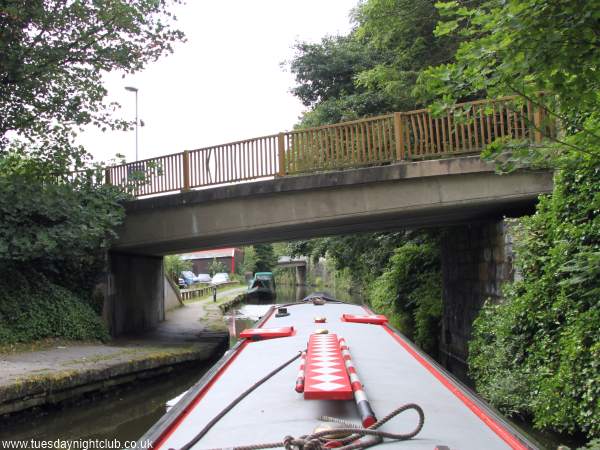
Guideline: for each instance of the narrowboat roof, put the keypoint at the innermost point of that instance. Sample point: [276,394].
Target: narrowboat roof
[392,370]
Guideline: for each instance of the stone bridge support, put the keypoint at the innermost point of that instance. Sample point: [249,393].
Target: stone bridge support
[476,261]
[301,275]
[134,293]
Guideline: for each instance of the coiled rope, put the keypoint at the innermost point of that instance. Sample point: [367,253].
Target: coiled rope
[314,441]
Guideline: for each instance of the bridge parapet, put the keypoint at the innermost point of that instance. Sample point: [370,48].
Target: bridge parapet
[401,136]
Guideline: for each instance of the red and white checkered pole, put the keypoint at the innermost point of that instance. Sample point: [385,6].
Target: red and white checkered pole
[300,379]
[367,416]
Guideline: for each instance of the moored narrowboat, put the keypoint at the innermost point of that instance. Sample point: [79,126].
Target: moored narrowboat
[262,287]
[325,374]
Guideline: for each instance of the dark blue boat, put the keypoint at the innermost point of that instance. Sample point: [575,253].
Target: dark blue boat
[262,287]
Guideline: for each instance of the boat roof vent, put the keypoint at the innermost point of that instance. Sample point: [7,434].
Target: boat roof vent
[257,334]
[378,319]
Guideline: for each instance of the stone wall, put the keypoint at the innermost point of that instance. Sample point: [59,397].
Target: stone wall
[172,296]
[134,299]
[476,261]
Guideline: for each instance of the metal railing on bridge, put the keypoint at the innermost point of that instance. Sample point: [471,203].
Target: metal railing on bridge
[401,136]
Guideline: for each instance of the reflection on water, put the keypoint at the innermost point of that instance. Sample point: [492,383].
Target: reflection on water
[123,415]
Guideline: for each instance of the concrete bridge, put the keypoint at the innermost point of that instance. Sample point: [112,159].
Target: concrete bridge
[404,170]
[299,264]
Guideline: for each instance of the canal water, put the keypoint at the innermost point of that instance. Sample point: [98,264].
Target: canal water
[125,415]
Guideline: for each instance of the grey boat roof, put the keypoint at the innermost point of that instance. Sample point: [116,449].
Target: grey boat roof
[391,369]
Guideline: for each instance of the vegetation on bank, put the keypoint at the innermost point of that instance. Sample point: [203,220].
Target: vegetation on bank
[536,354]
[38,308]
[399,274]
[53,239]
[409,291]
[57,218]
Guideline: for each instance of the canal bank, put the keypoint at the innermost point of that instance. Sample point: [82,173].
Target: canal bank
[194,334]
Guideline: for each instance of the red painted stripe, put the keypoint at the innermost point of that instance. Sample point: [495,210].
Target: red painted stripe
[175,424]
[502,432]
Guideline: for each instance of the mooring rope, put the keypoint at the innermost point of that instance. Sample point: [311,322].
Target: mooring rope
[235,401]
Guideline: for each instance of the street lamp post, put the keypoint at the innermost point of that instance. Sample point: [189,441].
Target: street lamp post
[134,89]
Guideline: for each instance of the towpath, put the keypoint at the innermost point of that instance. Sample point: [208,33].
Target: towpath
[194,332]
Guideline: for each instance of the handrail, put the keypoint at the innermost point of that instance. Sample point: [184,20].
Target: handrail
[400,136]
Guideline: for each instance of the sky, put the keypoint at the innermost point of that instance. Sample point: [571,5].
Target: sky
[225,83]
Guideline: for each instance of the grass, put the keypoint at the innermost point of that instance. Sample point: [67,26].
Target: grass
[220,298]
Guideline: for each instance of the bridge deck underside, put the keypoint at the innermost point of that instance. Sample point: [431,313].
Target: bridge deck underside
[407,195]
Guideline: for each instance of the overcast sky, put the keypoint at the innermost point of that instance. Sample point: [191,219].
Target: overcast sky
[225,83]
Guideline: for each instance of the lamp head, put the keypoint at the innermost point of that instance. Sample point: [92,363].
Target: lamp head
[131,88]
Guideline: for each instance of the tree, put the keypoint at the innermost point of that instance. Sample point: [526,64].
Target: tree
[174,265]
[522,47]
[216,267]
[62,229]
[265,259]
[52,56]
[374,69]
[326,75]
[58,223]
[403,31]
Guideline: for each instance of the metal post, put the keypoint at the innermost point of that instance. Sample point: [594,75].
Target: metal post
[281,151]
[399,134]
[135,90]
[186,171]
[136,125]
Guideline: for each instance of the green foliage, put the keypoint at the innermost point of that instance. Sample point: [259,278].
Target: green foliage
[249,259]
[174,265]
[57,217]
[538,353]
[403,31]
[398,272]
[409,292]
[53,54]
[31,308]
[374,69]
[216,266]
[265,258]
[63,229]
[522,47]
[594,444]
[364,255]
[260,258]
